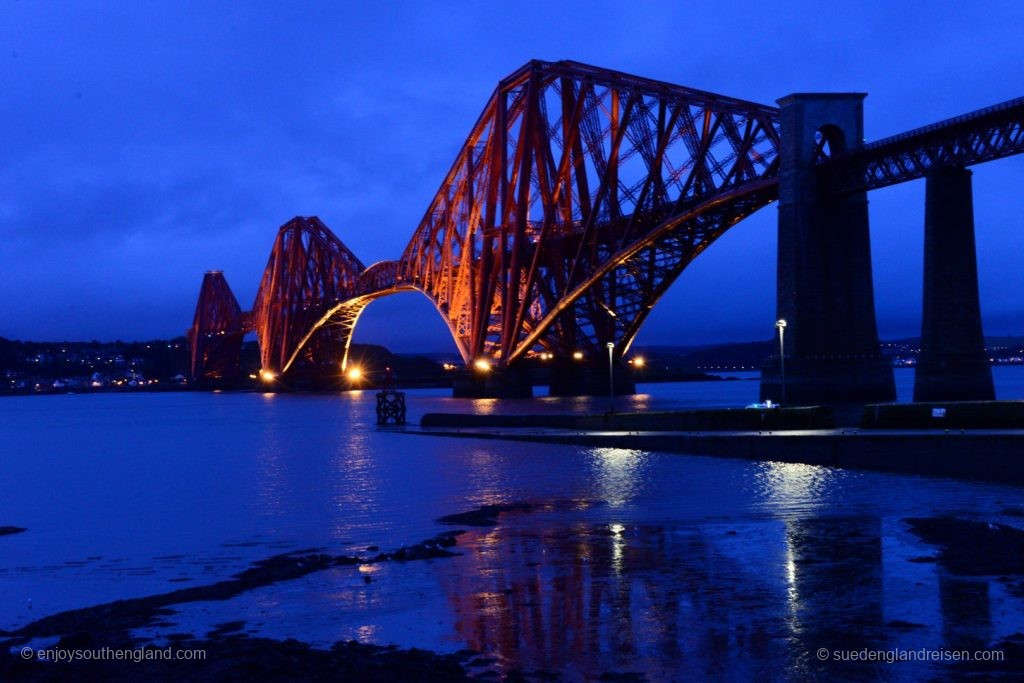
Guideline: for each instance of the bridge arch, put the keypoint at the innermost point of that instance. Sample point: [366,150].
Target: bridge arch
[829,142]
[343,318]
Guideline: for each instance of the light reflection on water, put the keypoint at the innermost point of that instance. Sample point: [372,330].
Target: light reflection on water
[795,487]
[619,473]
[688,560]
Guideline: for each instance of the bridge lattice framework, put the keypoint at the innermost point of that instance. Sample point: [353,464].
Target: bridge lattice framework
[577,199]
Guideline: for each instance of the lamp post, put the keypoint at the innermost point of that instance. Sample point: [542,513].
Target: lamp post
[781,324]
[611,379]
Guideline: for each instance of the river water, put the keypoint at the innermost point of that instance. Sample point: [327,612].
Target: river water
[671,565]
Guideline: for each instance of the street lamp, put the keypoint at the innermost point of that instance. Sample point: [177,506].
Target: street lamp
[781,324]
[611,379]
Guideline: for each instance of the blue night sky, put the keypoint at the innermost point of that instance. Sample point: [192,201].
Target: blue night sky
[143,143]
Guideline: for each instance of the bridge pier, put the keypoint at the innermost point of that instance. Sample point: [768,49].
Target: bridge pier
[952,365]
[496,382]
[825,291]
[579,378]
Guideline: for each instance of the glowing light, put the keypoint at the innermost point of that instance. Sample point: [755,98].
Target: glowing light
[577,355]
[639,362]
[267,376]
[354,374]
[482,364]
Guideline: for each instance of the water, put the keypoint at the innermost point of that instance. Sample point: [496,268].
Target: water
[638,561]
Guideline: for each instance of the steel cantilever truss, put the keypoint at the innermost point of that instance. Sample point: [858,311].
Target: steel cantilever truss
[578,197]
[215,338]
[309,271]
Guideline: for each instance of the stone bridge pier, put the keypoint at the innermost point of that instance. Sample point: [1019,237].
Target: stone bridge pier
[952,365]
[825,292]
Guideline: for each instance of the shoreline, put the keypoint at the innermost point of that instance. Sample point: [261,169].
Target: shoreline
[993,456]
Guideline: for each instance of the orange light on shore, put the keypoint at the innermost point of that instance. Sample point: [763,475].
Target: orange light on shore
[482,364]
[638,362]
[267,376]
[354,374]
[577,355]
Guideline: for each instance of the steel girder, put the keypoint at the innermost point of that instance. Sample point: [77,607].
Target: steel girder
[577,199]
[309,272]
[983,135]
[215,338]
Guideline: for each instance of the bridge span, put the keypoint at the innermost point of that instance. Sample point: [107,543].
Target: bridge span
[581,194]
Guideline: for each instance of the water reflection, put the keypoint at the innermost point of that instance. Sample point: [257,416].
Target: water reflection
[593,599]
[271,482]
[354,484]
[966,612]
[698,601]
[794,487]
[619,473]
[835,585]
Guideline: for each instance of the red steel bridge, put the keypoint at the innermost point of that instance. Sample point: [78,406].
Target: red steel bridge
[577,199]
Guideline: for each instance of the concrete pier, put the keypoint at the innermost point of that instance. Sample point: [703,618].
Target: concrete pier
[952,365]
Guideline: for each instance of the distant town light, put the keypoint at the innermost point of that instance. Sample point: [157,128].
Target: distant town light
[577,355]
[267,376]
[638,362]
[482,364]
[354,374]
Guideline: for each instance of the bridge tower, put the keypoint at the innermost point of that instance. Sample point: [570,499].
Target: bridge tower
[952,365]
[825,291]
[215,338]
